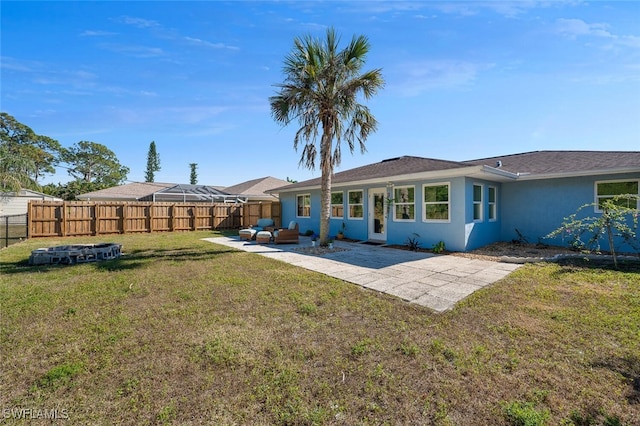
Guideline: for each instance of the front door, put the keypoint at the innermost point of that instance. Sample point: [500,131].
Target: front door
[377,217]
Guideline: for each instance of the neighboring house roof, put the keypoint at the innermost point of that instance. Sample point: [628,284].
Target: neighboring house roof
[127,192]
[256,188]
[155,191]
[30,193]
[529,165]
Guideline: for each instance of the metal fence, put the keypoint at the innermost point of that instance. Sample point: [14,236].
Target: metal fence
[13,229]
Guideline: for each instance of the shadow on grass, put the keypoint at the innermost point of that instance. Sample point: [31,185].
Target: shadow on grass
[573,264]
[128,261]
[629,368]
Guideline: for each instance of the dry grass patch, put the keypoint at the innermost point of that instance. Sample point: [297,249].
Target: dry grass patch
[182,331]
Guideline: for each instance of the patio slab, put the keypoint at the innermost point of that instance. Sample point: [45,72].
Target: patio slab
[437,282]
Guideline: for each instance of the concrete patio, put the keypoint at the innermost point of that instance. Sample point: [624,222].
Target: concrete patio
[437,282]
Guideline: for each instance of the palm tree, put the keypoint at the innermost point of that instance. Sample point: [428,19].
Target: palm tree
[321,90]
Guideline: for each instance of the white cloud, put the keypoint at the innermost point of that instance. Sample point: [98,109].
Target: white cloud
[205,43]
[418,77]
[574,28]
[96,33]
[134,50]
[138,22]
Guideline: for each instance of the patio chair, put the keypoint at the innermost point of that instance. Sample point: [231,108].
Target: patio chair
[264,224]
[287,235]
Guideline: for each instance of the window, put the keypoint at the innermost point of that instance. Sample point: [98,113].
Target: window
[356,209]
[404,203]
[477,203]
[337,205]
[436,202]
[608,190]
[304,205]
[493,211]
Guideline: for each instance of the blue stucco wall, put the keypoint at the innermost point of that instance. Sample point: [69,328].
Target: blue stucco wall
[534,207]
[538,207]
[459,234]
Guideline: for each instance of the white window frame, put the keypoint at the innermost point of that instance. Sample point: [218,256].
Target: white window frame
[349,204]
[425,203]
[337,205]
[397,203]
[493,205]
[597,197]
[308,196]
[478,203]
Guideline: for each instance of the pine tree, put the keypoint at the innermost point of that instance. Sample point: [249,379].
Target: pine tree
[194,175]
[153,163]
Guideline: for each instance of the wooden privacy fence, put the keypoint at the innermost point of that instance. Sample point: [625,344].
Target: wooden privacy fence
[75,218]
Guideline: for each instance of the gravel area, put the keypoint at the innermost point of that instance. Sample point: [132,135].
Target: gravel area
[498,251]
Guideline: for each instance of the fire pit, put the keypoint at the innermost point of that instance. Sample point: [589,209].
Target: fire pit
[75,253]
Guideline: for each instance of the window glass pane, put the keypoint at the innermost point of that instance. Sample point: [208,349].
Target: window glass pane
[337,211]
[477,211]
[436,193]
[355,211]
[405,211]
[492,195]
[304,205]
[355,197]
[492,212]
[336,198]
[404,195]
[477,193]
[617,188]
[437,211]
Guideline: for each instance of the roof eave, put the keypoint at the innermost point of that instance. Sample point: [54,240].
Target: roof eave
[486,172]
[559,175]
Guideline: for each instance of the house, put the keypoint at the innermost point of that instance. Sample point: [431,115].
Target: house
[257,189]
[15,204]
[253,190]
[466,204]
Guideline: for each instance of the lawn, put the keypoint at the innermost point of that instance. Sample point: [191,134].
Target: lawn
[183,331]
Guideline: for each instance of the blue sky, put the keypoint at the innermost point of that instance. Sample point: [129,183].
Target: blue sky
[464,80]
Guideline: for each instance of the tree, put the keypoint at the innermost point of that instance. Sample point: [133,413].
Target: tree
[320,90]
[27,155]
[69,191]
[193,178]
[15,172]
[153,163]
[618,220]
[94,163]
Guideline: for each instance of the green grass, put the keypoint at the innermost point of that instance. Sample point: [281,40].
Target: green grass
[183,331]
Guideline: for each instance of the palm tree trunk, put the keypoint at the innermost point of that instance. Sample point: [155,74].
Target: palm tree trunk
[326,167]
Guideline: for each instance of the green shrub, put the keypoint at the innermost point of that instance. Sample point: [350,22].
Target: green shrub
[525,414]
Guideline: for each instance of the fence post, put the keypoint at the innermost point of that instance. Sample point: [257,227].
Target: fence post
[63,218]
[29,218]
[96,219]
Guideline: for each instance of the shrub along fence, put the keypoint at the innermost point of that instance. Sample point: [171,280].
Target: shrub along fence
[75,218]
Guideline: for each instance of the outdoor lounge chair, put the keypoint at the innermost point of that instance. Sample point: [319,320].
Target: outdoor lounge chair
[287,235]
[264,224]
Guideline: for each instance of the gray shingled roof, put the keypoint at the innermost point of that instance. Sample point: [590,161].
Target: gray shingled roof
[130,191]
[385,169]
[561,162]
[528,163]
[256,187]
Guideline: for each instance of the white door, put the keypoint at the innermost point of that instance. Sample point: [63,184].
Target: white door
[377,215]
